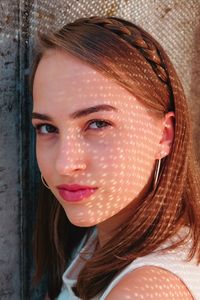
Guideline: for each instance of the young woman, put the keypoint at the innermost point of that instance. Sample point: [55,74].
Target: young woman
[121,216]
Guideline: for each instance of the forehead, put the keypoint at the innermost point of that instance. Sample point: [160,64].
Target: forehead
[64,80]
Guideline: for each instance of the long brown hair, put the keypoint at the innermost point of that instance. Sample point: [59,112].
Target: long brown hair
[129,55]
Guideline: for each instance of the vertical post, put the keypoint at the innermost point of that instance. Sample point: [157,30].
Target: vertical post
[9,153]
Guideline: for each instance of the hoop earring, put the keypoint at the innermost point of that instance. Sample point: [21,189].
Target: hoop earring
[156,174]
[44,182]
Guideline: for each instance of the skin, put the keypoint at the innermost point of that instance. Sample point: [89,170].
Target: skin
[119,158]
[150,282]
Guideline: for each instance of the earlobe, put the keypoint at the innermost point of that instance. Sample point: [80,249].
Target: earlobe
[167,135]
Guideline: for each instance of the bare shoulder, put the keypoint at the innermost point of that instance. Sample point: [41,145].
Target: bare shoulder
[150,282]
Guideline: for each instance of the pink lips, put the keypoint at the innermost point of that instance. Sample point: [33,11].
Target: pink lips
[75,193]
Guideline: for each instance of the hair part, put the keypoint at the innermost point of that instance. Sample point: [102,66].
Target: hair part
[130,56]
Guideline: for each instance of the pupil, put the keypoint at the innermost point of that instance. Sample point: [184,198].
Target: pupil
[49,128]
[99,122]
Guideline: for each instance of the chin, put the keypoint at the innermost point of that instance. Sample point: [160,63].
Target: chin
[81,221]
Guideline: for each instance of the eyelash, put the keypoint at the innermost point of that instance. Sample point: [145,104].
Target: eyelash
[38,126]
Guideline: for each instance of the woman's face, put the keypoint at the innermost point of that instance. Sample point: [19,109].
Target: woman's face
[113,149]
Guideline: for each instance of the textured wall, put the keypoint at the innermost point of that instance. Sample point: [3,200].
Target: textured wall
[9,157]
[17,157]
[176,26]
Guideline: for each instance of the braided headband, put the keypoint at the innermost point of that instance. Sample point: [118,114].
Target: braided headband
[134,37]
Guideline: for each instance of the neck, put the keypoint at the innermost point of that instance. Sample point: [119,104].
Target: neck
[107,229]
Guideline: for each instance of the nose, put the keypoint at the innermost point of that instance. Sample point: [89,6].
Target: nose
[70,156]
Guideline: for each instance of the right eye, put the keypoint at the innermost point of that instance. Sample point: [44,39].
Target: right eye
[49,129]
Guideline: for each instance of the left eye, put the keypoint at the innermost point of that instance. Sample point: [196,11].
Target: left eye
[100,125]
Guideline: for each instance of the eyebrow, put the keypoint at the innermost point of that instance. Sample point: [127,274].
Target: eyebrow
[78,114]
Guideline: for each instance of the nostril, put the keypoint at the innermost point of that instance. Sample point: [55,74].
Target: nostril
[64,168]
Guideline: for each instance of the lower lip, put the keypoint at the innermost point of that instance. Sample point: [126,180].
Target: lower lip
[75,196]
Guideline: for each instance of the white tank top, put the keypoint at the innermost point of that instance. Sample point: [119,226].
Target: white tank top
[173,261]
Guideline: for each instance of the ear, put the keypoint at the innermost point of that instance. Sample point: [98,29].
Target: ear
[167,135]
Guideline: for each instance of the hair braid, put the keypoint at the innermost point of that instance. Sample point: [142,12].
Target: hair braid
[133,36]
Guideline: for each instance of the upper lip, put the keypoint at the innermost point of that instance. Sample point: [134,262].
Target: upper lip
[74,187]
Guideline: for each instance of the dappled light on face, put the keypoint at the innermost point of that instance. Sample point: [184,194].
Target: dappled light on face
[113,149]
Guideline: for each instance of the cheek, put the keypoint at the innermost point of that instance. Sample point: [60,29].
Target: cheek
[141,160]
[126,173]
[128,158]
[141,157]
[126,161]
[123,175]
